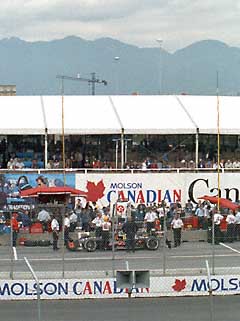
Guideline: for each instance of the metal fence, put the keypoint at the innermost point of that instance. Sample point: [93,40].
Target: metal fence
[99,250]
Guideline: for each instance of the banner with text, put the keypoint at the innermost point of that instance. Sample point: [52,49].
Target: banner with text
[152,188]
[107,288]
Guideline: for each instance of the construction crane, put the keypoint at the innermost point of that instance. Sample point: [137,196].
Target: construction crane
[91,81]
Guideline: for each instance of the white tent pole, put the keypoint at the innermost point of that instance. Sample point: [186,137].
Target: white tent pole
[45,133]
[197,148]
[46,148]
[122,148]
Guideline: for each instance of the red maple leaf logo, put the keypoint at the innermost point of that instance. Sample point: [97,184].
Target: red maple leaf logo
[95,191]
[179,285]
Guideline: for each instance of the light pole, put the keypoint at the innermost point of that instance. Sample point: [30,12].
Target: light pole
[93,80]
[116,140]
[116,61]
[63,132]
[126,147]
[160,42]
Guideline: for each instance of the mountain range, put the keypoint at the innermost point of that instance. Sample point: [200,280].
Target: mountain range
[197,69]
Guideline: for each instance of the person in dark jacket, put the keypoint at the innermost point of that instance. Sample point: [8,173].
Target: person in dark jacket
[130,228]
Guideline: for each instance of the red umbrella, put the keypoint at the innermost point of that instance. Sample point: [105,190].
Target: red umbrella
[45,190]
[223,202]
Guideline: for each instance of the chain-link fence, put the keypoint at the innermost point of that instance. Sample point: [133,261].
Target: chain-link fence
[98,242]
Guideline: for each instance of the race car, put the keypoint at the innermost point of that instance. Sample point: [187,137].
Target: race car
[91,243]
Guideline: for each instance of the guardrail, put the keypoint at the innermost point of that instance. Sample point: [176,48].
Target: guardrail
[119,170]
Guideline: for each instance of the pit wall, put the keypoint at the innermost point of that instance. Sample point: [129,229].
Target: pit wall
[107,288]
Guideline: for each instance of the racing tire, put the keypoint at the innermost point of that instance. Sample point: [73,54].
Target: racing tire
[152,243]
[90,245]
[30,243]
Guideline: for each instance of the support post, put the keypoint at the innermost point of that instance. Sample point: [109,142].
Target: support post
[38,287]
[122,148]
[210,291]
[197,148]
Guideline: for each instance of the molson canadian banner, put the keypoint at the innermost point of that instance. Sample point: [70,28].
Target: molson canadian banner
[107,288]
[152,188]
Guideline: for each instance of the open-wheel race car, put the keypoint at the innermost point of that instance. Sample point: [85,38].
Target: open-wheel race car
[87,241]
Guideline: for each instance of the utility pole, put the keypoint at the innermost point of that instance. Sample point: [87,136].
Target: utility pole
[91,81]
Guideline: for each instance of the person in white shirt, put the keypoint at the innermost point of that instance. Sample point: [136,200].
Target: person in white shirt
[106,227]
[150,218]
[177,225]
[237,227]
[231,220]
[200,214]
[55,231]
[228,164]
[19,164]
[44,217]
[11,164]
[98,222]
[217,218]
[73,221]
[66,225]
[236,164]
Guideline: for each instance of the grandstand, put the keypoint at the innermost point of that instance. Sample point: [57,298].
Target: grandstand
[163,131]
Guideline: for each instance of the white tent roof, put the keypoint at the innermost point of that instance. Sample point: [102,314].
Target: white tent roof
[152,115]
[21,115]
[82,115]
[203,110]
[30,115]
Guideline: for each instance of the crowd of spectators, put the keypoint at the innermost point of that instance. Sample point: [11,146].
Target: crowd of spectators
[146,164]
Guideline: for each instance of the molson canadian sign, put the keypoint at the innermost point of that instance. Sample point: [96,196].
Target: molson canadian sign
[151,188]
[107,288]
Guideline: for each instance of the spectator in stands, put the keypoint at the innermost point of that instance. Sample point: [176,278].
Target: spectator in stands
[19,164]
[236,163]
[228,164]
[44,218]
[201,164]
[11,164]
[34,164]
[50,164]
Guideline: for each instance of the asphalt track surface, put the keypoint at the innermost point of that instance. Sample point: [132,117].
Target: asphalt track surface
[160,309]
[190,258]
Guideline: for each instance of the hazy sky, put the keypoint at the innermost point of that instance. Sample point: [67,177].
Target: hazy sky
[139,22]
